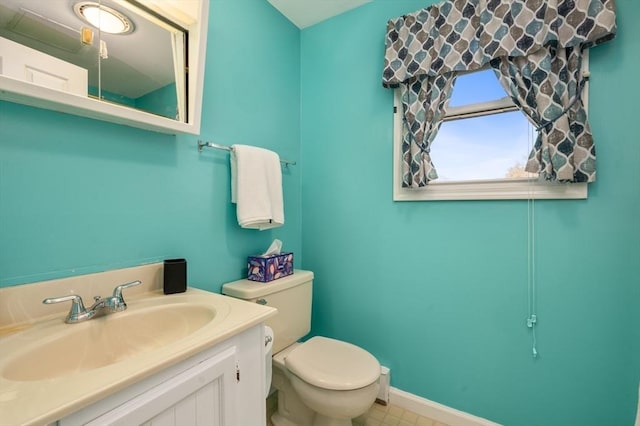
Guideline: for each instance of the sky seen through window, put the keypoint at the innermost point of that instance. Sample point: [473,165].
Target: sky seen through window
[488,147]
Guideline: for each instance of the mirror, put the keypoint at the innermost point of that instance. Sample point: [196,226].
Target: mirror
[52,54]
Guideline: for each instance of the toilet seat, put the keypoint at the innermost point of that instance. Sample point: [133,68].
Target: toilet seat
[332,364]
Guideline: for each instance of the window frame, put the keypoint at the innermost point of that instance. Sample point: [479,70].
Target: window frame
[490,189]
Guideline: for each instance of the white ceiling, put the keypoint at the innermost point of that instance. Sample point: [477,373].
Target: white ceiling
[304,13]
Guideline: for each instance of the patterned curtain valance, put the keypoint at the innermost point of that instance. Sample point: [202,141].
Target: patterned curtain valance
[464,35]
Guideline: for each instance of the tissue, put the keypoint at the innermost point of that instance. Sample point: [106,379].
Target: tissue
[274,248]
[270,265]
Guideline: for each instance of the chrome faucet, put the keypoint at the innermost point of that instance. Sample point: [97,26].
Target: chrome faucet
[79,313]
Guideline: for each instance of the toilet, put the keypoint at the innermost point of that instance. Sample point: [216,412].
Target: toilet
[322,381]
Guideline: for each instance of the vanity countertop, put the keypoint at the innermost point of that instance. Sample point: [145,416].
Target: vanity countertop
[38,400]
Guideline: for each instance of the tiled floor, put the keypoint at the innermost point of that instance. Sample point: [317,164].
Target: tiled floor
[392,415]
[378,415]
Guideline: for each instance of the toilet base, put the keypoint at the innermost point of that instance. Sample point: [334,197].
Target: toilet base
[291,410]
[279,420]
[321,420]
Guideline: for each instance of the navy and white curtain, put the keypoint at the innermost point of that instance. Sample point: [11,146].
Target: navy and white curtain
[424,101]
[536,48]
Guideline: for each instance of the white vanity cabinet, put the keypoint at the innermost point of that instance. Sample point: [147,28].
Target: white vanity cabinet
[222,385]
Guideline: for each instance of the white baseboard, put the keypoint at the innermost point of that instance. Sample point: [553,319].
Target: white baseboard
[434,410]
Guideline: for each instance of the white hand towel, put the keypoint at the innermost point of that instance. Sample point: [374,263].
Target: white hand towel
[256,187]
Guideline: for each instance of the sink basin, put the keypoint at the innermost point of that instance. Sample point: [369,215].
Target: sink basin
[106,340]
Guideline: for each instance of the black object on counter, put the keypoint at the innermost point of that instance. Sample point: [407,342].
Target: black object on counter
[175,276]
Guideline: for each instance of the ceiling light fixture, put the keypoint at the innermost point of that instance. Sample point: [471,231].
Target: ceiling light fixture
[103,17]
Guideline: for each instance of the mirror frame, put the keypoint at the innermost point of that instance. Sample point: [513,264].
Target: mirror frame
[26,93]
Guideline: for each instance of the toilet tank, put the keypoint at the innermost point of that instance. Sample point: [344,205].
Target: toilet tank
[291,295]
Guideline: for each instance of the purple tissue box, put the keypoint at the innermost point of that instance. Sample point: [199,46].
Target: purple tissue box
[269,268]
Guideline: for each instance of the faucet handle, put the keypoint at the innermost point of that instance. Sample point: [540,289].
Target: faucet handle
[117,294]
[77,307]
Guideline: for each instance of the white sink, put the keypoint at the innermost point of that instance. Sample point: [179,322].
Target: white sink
[106,340]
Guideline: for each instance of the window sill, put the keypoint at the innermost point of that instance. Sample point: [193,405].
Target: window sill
[501,189]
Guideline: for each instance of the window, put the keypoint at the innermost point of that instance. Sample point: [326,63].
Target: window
[481,148]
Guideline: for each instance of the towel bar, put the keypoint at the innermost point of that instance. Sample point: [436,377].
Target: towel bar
[201,145]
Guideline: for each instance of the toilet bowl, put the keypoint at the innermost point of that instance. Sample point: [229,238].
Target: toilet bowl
[322,381]
[337,380]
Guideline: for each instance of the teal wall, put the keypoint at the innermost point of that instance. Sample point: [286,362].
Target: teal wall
[79,195]
[437,290]
[162,101]
[111,97]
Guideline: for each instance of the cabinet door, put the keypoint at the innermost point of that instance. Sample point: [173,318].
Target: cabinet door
[23,63]
[202,395]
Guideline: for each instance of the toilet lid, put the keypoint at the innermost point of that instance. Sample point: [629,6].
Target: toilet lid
[333,364]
